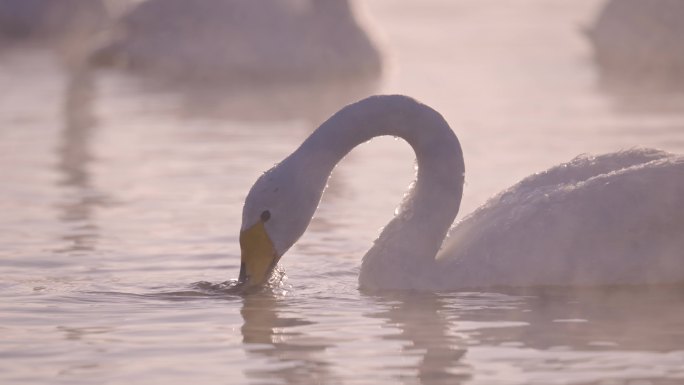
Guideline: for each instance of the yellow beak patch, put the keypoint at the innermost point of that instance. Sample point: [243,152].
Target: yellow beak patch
[258,255]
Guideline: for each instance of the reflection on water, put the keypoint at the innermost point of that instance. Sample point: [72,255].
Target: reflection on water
[585,336]
[79,333]
[269,333]
[477,337]
[425,330]
[75,159]
[595,319]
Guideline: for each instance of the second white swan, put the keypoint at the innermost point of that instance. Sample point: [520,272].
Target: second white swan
[615,219]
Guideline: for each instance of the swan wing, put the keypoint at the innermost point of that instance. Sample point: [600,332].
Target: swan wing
[610,219]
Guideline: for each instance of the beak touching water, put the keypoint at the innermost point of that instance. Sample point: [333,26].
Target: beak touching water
[258,256]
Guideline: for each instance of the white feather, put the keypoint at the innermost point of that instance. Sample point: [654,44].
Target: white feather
[613,219]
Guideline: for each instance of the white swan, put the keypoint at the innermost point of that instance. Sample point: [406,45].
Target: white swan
[244,41]
[608,220]
[639,43]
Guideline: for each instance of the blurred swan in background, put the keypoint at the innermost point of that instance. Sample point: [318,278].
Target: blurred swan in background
[639,43]
[49,19]
[243,41]
[615,219]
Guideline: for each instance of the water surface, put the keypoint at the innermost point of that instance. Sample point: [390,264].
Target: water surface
[118,197]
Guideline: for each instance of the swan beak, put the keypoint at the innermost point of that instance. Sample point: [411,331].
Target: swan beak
[258,256]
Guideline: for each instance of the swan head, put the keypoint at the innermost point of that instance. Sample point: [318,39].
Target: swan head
[277,211]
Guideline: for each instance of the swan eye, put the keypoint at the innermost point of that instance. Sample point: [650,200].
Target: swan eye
[265,215]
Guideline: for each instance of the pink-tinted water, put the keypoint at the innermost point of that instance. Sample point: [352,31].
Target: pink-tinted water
[117,197]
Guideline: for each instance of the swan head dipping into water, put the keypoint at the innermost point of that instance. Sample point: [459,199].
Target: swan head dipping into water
[281,203]
[493,246]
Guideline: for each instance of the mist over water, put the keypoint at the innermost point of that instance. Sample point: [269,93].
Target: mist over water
[123,185]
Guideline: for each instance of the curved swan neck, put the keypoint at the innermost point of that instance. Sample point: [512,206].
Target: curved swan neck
[411,240]
[423,128]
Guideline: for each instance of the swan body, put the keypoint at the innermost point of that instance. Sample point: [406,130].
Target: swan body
[244,41]
[614,219]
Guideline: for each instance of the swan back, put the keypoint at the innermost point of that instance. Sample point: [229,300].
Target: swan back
[610,219]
